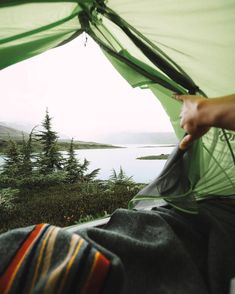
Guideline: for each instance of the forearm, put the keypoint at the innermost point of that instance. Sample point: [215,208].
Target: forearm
[218,112]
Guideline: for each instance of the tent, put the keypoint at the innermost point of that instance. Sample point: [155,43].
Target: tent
[165,46]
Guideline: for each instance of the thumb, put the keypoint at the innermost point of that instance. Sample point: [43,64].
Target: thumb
[185,142]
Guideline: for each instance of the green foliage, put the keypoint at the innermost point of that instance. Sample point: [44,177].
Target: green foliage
[92,175]
[11,167]
[33,181]
[119,182]
[88,176]
[7,193]
[26,167]
[120,177]
[38,180]
[18,163]
[7,197]
[50,159]
[21,171]
[49,189]
[72,167]
[7,181]
[75,171]
[63,205]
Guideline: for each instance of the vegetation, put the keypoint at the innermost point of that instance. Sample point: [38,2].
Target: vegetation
[50,159]
[26,156]
[62,204]
[23,169]
[75,171]
[12,164]
[120,177]
[45,187]
[154,157]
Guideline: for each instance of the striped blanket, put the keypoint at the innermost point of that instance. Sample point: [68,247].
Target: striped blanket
[47,259]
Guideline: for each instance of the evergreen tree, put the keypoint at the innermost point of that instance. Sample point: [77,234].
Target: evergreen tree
[90,176]
[50,159]
[26,156]
[76,171]
[12,165]
[72,167]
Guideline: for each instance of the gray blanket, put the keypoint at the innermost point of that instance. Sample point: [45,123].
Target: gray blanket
[165,251]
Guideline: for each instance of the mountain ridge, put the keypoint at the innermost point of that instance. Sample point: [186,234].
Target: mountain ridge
[7,133]
[140,138]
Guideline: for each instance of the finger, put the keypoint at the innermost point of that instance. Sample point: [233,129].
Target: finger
[186,142]
[179,97]
[176,96]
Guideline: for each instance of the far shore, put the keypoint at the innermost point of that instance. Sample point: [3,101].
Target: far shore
[154,157]
[63,145]
[156,146]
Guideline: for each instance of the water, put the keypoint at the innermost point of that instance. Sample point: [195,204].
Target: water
[142,171]
[1,161]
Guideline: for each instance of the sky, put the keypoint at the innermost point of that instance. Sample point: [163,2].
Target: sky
[86,97]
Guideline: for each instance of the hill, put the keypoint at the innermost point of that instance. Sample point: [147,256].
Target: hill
[7,133]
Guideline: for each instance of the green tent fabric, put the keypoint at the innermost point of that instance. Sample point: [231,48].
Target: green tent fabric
[166,46]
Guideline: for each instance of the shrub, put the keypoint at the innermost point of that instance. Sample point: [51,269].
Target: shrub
[39,180]
[6,197]
[7,205]
[63,205]
[34,181]
[8,182]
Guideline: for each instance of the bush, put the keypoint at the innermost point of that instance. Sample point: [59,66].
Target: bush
[8,182]
[7,205]
[63,205]
[40,181]
[34,181]
[6,197]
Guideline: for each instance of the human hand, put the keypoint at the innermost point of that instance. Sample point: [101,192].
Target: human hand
[191,118]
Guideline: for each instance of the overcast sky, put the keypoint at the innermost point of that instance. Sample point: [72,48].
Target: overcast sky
[85,95]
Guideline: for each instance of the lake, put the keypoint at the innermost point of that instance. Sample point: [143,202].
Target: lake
[142,171]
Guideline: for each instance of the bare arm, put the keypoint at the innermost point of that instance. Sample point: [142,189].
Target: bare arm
[199,114]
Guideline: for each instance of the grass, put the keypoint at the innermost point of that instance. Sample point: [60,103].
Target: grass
[154,157]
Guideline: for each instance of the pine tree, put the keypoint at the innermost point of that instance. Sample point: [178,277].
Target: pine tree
[76,171]
[26,167]
[90,176]
[50,159]
[72,166]
[12,165]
